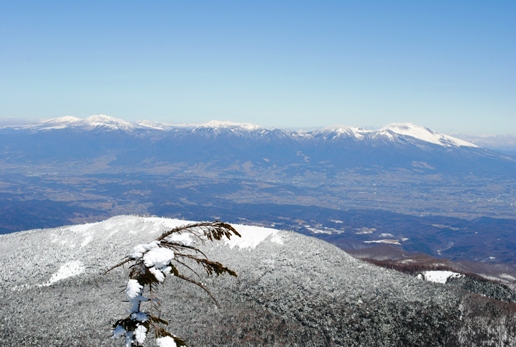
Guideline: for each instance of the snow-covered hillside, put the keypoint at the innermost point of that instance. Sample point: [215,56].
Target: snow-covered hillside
[290,290]
[422,134]
[89,123]
[88,248]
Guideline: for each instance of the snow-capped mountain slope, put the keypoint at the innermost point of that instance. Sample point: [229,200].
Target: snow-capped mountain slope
[290,290]
[102,122]
[160,126]
[357,133]
[396,132]
[422,134]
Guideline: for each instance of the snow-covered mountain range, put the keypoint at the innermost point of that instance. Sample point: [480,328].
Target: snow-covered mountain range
[246,147]
[290,290]
[392,132]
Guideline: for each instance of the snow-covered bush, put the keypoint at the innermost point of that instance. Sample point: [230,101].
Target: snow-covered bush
[173,253]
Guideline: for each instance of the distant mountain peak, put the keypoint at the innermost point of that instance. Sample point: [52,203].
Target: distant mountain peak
[214,124]
[227,124]
[56,123]
[108,122]
[93,122]
[423,134]
[394,131]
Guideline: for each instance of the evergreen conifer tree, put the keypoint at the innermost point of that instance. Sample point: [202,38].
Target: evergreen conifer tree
[174,253]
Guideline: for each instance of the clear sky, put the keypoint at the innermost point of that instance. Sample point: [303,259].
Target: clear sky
[449,65]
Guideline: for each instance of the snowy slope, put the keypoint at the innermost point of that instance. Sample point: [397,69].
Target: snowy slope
[290,290]
[144,124]
[84,249]
[422,134]
[396,132]
[93,122]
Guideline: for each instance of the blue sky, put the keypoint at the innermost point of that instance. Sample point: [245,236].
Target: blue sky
[448,65]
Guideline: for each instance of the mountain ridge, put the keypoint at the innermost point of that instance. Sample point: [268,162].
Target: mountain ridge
[390,132]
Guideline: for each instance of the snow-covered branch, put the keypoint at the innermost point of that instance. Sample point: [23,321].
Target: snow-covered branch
[171,254]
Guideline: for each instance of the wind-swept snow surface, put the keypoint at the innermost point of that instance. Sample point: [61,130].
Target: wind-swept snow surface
[166,341]
[423,134]
[69,269]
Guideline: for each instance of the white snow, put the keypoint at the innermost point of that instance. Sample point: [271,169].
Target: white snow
[439,276]
[357,133]
[390,131]
[133,289]
[160,277]
[86,240]
[226,124]
[508,277]
[141,249]
[423,134]
[365,231]
[166,341]
[56,123]
[251,236]
[135,299]
[140,333]
[183,239]
[92,122]
[386,241]
[158,257]
[393,130]
[277,239]
[82,228]
[69,243]
[145,124]
[214,124]
[69,269]
[139,316]
[107,122]
[318,231]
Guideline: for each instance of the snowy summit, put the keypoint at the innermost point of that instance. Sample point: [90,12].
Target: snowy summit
[93,122]
[423,134]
